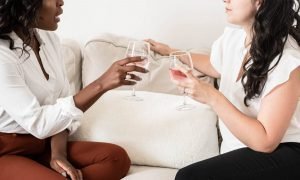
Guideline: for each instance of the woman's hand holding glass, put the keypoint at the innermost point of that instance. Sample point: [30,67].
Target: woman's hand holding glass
[177,69]
[120,73]
[197,89]
[138,49]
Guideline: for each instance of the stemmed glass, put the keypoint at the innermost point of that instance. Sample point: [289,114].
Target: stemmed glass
[181,60]
[142,49]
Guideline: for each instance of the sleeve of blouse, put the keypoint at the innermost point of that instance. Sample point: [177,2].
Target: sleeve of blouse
[22,105]
[69,101]
[216,55]
[281,74]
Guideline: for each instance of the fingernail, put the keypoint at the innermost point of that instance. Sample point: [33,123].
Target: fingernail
[64,174]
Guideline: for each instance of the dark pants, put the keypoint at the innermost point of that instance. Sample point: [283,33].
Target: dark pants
[26,157]
[246,164]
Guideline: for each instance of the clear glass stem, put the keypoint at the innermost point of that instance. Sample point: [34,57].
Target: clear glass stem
[185,106]
[184,98]
[133,91]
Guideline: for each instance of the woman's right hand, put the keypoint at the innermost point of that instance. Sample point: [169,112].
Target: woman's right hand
[62,166]
[160,48]
[120,74]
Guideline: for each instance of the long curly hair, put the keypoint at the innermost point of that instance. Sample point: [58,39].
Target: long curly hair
[274,21]
[19,14]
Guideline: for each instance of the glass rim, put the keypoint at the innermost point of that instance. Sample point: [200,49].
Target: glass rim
[180,53]
[137,41]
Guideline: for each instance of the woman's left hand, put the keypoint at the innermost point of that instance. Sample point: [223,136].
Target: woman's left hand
[195,88]
[160,48]
[61,165]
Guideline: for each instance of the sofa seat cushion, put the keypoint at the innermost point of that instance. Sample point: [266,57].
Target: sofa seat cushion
[150,173]
[152,131]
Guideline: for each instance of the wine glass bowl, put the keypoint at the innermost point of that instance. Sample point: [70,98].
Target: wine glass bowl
[177,75]
[180,62]
[138,49]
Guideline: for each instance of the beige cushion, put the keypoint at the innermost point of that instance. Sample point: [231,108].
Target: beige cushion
[152,131]
[101,51]
[150,173]
[72,57]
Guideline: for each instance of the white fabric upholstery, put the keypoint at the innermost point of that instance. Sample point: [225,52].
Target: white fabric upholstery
[73,61]
[150,173]
[101,51]
[152,131]
[99,54]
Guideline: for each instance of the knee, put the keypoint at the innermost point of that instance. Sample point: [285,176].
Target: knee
[192,173]
[119,158]
[183,174]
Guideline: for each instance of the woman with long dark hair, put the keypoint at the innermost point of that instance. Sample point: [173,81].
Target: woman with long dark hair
[258,99]
[37,113]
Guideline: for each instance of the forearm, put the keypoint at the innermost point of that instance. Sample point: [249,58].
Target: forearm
[88,96]
[114,77]
[59,144]
[202,64]
[248,130]
[201,61]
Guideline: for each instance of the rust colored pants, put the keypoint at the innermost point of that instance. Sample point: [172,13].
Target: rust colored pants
[26,157]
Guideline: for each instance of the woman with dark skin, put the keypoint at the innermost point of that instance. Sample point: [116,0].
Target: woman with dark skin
[37,111]
[258,100]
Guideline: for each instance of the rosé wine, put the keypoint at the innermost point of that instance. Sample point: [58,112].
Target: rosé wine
[176,74]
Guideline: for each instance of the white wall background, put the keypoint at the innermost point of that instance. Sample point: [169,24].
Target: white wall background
[180,23]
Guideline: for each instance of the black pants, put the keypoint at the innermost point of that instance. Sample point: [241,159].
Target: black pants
[246,164]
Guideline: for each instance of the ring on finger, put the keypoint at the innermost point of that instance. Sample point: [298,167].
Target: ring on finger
[128,76]
[187,91]
[64,174]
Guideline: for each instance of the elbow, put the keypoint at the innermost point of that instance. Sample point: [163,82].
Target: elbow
[265,148]
[41,134]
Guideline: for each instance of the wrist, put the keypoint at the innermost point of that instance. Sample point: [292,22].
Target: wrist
[215,97]
[99,86]
[59,144]
[170,50]
[58,155]
[59,152]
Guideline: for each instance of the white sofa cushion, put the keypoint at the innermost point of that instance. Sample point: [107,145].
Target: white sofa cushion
[72,57]
[152,131]
[150,173]
[101,51]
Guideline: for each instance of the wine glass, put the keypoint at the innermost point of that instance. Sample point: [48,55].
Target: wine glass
[142,49]
[181,60]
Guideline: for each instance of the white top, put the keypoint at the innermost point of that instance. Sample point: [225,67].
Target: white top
[29,103]
[227,56]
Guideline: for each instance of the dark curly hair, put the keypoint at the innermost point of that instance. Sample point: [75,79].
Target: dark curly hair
[274,21]
[18,14]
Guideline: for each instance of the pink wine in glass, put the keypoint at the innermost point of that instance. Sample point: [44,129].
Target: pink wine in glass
[177,75]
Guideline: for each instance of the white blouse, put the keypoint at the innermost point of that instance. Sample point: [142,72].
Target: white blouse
[227,57]
[29,103]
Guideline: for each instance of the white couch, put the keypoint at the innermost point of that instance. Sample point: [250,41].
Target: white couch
[158,138]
